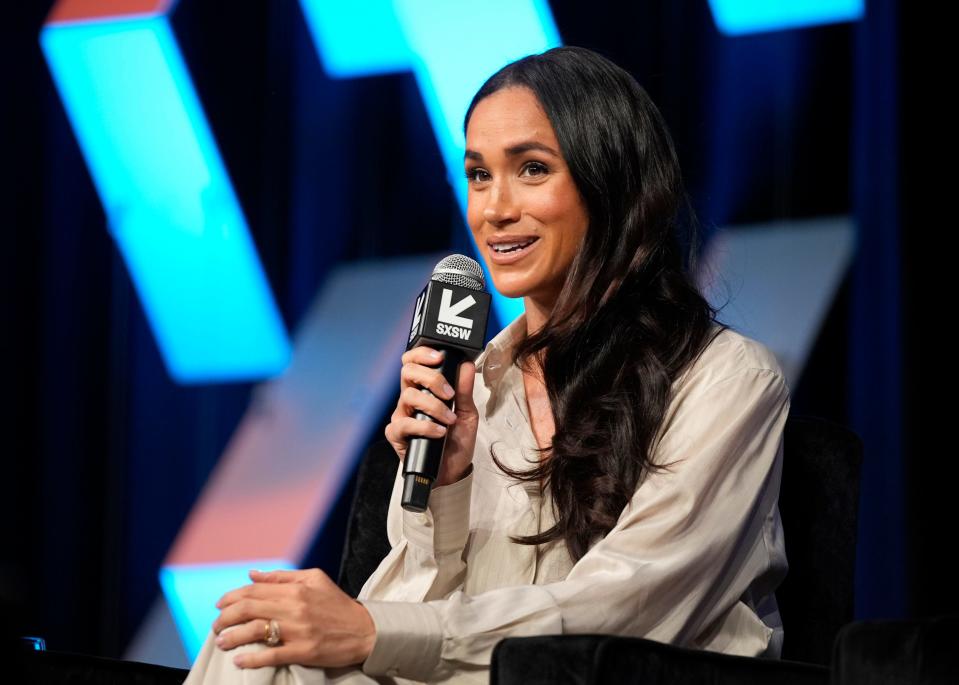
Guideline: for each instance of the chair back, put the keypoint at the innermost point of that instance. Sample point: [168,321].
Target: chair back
[919,651]
[366,543]
[819,504]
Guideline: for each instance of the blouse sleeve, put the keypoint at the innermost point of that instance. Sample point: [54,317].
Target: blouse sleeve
[679,559]
[426,557]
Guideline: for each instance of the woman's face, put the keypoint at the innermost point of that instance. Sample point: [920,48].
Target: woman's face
[525,212]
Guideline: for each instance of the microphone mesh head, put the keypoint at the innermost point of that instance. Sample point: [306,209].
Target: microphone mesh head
[461,271]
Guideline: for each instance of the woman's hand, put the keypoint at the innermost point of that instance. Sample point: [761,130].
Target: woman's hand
[320,625]
[417,373]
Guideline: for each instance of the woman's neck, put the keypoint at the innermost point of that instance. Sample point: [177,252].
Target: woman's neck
[537,312]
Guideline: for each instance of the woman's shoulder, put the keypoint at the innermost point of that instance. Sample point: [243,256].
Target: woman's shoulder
[728,354]
[747,370]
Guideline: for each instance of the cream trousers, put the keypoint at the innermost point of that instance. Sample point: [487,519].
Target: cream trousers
[213,666]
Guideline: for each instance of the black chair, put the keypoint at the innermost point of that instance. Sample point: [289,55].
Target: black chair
[919,652]
[818,504]
[64,668]
[366,544]
[562,659]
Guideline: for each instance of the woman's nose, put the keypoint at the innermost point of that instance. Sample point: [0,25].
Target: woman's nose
[501,207]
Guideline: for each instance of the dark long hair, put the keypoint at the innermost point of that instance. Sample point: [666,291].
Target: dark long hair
[629,319]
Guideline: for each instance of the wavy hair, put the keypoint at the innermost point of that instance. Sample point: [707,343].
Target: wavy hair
[629,319]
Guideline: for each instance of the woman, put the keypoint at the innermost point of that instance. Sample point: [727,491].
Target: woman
[613,461]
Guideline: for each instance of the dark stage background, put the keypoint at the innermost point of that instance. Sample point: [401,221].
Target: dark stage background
[104,454]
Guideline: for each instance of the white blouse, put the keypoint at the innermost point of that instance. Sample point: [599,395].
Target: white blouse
[693,559]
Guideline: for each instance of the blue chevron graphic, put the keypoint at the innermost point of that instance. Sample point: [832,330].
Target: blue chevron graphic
[743,17]
[169,202]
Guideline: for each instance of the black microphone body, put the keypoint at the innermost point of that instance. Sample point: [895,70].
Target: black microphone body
[450,315]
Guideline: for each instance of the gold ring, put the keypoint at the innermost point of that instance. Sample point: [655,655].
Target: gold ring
[273,639]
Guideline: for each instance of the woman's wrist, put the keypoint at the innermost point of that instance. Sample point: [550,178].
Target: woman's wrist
[366,635]
[445,479]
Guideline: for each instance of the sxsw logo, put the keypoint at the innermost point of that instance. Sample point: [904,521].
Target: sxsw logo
[449,320]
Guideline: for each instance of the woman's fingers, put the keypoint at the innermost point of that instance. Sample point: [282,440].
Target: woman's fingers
[423,389]
[417,375]
[255,630]
[280,576]
[246,610]
[400,430]
[252,591]
[421,400]
[426,356]
[464,389]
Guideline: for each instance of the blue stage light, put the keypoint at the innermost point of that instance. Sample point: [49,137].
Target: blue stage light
[188,590]
[357,38]
[740,17]
[168,199]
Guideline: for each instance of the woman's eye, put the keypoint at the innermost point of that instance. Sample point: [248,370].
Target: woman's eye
[536,167]
[475,175]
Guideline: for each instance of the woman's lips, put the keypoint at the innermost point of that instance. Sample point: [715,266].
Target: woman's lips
[513,256]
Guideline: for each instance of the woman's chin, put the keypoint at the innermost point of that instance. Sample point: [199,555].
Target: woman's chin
[510,287]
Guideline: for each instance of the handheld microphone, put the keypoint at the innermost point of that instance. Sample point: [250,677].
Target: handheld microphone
[450,315]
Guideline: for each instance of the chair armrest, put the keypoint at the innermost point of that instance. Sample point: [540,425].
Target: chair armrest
[53,668]
[584,659]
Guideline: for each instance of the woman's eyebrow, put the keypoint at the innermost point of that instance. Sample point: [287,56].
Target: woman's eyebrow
[517,149]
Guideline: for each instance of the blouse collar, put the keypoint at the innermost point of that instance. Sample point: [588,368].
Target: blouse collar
[496,358]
